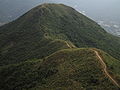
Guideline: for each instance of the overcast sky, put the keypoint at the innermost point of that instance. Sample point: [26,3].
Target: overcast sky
[96,9]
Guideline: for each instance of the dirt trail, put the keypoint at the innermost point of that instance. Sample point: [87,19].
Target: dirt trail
[70,46]
[105,69]
[103,64]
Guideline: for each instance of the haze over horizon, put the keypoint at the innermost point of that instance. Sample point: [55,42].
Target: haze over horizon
[96,9]
[105,11]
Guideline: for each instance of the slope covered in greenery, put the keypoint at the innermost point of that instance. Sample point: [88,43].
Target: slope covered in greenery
[34,32]
[112,64]
[70,69]
[34,52]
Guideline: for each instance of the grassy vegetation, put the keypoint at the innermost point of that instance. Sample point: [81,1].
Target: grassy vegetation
[112,64]
[36,54]
[29,49]
[34,32]
[23,38]
[77,69]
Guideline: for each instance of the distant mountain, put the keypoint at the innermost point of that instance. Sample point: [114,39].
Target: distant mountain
[53,46]
[30,35]
[12,9]
[98,11]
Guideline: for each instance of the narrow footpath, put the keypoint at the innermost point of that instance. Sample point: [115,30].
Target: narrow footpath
[103,65]
[105,69]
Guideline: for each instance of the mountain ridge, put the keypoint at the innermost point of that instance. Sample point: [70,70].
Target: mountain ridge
[56,22]
[53,46]
[64,69]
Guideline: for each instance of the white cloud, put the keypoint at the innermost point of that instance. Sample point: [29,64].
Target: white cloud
[116,26]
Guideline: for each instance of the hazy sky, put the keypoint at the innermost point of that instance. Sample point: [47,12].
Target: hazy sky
[96,9]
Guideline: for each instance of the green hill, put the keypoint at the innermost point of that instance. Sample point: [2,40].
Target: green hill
[53,47]
[34,34]
[69,69]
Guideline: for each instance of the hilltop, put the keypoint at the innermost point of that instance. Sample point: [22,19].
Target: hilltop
[53,46]
[34,32]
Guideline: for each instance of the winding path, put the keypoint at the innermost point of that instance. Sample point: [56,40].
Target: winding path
[103,65]
[72,46]
[105,69]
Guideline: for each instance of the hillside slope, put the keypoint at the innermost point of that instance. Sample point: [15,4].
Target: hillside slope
[77,69]
[30,35]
